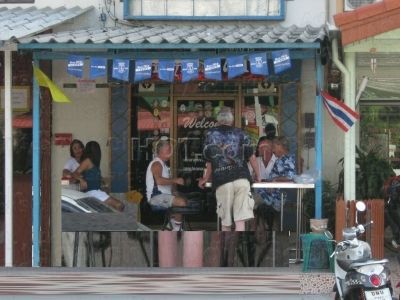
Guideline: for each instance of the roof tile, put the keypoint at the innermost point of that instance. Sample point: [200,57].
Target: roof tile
[392,4]
[31,20]
[367,11]
[193,34]
[369,20]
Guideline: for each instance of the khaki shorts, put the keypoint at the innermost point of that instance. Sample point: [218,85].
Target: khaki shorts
[234,200]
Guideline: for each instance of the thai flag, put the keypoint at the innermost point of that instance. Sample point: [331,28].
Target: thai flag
[341,114]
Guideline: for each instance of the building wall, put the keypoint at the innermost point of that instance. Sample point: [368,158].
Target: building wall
[87,117]
[298,12]
[333,137]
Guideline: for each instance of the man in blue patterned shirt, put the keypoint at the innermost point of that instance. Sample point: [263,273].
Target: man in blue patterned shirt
[284,170]
[227,150]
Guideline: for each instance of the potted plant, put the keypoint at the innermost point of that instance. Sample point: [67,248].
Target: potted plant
[371,172]
[328,204]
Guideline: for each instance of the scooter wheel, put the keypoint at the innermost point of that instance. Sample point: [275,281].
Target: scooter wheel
[356,294]
[337,296]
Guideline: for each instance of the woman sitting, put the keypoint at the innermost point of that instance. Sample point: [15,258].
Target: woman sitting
[89,176]
[76,150]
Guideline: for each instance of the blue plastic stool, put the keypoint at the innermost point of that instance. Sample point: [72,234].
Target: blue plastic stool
[316,252]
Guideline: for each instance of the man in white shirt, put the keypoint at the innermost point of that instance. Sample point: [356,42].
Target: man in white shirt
[159,184]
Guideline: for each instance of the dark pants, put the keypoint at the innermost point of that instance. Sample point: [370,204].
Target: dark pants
[392,219]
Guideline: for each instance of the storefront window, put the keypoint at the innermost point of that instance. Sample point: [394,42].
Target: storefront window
[183,113]
[194,117]
[151,114]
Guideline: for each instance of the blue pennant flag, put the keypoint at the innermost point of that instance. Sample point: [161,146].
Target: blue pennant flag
[212,68]
[190,69]
[75,65]
[236,66]
[281,60]
[120,69]
[258,64]
[98,67]
[143,70]
[166,70]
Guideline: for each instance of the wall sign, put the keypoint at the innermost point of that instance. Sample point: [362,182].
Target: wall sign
[20,97]
[62,139]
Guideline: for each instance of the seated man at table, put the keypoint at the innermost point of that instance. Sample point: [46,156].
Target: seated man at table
[159,184]
[283,170]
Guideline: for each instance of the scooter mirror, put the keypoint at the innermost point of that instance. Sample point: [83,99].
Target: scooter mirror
[360,206]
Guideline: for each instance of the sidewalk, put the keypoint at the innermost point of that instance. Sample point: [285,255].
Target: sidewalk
[150,283]
[172,297]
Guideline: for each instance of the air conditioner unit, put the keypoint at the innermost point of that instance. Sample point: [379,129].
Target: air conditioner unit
[350,5]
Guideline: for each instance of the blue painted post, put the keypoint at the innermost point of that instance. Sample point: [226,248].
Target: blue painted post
[318,138]
[36,173]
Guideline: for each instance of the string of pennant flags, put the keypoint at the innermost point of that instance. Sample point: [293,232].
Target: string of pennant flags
[167,70]
[184,71]
[191,69]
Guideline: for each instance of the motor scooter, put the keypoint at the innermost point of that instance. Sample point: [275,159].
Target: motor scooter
[357,275]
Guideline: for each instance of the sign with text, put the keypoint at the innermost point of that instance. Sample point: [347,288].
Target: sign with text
[236,66]
[258,64]
[190,69]
[98,67]
[75,65]
[166,70]
[19,97]
[143,69]
[212,68]
[120,69]
[281,60]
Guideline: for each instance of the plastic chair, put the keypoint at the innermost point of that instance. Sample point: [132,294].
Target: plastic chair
[316,252]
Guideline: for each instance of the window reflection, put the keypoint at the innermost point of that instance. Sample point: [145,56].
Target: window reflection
[380,131]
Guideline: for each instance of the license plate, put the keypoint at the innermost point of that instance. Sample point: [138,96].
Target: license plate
[382,294]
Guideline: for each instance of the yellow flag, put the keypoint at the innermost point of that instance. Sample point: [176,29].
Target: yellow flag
[43,80]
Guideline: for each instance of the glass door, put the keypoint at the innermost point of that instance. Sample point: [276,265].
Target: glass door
[193,117]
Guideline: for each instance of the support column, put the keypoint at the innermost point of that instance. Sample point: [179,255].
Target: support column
[8,160]
[318,137]
[350,136]
[36,173]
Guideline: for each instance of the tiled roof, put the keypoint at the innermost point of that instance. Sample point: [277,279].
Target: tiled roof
[20,22]
[369,20]
[186,34]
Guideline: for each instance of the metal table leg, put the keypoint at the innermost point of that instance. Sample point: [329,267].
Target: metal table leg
[282,198]
[76,249]
[298,223]
[91,250]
